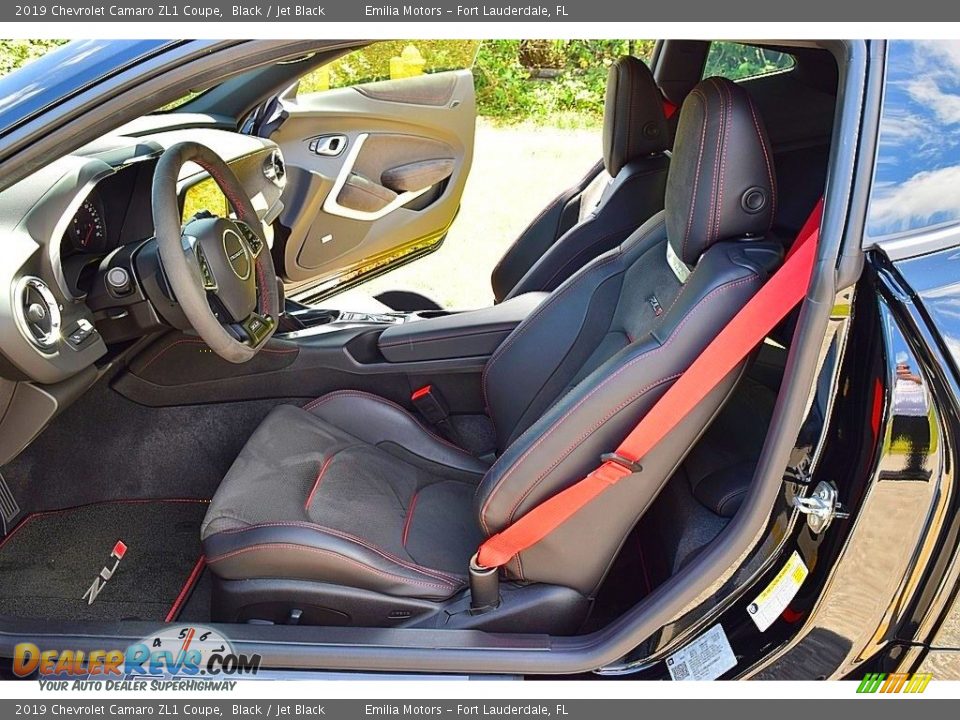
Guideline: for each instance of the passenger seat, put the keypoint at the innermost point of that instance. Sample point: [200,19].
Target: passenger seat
[616,197]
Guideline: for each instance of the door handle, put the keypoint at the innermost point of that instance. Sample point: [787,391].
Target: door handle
[328,145]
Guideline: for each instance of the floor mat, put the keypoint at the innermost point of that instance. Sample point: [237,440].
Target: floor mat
[124,560]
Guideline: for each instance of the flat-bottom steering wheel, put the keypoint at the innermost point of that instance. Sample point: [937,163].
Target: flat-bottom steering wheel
[220,269]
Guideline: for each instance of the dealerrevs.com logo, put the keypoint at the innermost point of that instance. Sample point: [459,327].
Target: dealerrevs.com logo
[194,654]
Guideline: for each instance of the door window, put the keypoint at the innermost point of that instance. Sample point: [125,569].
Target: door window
[390,60]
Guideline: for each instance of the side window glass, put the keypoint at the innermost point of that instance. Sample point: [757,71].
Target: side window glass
[917,170]
[390,60]
[736,61]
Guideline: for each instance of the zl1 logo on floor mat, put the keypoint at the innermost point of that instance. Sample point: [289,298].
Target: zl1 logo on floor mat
[106,572]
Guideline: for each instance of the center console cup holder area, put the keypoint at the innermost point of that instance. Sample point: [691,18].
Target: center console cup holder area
[410,337]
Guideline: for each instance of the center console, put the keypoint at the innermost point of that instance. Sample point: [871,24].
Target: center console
[317,350]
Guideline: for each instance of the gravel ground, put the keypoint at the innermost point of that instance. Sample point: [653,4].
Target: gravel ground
[516,171]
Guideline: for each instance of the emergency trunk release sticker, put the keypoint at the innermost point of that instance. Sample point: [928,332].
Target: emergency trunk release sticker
[771,603]
[706,658]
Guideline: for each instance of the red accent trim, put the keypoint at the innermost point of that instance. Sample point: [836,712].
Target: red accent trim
[316,483]
[323,551]
[186,589]
[643,564]
[120,549]
[876,412]
[440,575]
[791,616]
[137,501]
[784,290]
[669,108]
[406,525]
[425,390]
[189,341]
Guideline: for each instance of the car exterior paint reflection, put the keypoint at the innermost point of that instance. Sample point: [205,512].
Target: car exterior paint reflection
[64,72]
[873,584]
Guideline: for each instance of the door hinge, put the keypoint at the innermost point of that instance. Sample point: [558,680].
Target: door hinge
[821,507]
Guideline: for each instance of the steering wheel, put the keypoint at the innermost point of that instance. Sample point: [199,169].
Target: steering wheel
[220,269]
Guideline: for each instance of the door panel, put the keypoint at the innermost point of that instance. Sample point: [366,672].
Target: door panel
[374,173]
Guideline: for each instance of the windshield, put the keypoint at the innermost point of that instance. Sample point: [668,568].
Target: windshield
[44,79]
[14,54]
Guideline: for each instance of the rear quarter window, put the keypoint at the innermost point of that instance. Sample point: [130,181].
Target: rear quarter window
[916,180]
[736,61]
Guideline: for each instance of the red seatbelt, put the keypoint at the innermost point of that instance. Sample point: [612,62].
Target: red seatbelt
[779,295]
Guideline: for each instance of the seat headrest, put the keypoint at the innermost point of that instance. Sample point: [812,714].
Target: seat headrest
[633,120]
[721,182]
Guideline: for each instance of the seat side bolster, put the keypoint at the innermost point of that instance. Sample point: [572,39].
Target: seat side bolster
[552,222]
[375,420]
[533,352]
[566,443]
[634,197]
[307,551]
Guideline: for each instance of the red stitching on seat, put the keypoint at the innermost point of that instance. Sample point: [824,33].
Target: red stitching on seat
[766,157]
[698,94]
[321,551]
[526,324]
[383,401]
[409,520]
[438,574]
[726,99]
[316,483]
[500,483]
[596,426]
[185,590]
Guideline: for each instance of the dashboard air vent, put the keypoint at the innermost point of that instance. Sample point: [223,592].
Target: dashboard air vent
[38,312]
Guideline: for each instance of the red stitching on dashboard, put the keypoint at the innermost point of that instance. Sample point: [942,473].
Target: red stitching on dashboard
[189,341]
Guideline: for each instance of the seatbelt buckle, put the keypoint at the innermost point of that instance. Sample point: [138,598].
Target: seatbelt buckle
[431,405]
[484,587]
[631,466]
[614,467]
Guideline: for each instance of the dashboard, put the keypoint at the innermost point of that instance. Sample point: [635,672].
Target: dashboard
[64,228]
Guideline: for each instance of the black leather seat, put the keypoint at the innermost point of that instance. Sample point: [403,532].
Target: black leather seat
[613,199]
[348,510]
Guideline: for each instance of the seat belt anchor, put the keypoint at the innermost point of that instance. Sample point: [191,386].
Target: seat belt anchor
[631,465]
[484,587]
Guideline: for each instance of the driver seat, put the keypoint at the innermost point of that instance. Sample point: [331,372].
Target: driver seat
[349,511]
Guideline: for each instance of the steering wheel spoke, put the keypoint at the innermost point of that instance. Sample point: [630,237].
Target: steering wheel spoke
[254,241]
[256,328]
[198,261]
